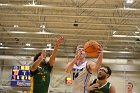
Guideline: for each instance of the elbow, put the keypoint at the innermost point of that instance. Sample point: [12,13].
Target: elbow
[33,68]
[67,70]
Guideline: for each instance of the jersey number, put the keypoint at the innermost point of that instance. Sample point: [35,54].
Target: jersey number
[75,75]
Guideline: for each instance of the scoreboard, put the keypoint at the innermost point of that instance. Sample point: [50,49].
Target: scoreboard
[20,76]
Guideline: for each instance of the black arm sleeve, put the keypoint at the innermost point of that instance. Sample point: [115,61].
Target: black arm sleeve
[93,82]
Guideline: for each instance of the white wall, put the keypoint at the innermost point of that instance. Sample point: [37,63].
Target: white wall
[118,78]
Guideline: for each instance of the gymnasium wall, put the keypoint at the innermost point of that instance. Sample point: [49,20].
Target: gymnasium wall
[118,78]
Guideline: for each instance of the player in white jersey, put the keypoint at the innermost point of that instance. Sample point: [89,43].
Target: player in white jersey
[81,70]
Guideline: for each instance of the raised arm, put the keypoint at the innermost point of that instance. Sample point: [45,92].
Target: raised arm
[94,66]
[70,65]
[54,53]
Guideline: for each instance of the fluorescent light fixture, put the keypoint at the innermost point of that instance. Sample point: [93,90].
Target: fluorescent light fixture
[119,35]
[18,32]
[4,4]
[116,52]
[106,51]
[48,49]
[137,32]
[21,32]
[29,48]
[26,48]
[28,44]
[124,52]
[129,1]
[4,47]
[125,36]
[35,5]
[43,33]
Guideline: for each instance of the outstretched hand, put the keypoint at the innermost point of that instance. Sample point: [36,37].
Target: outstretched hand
[59,41]
[100,49]
[43,55]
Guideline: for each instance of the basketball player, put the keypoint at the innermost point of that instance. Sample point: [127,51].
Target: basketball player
[129,87]
[40,70]
[81,69]
[101,85]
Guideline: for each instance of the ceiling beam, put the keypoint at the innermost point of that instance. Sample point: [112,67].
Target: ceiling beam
[71,16]
[69,7]
[69,23]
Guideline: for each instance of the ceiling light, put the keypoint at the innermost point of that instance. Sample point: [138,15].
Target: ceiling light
[48,45]
[16,26]
[29,48]
[43,33]
[137,32]
[18,32]
[21,32]
[106,51]
[129,1]
[116,52]
[126,36]
[0,43]
[3,4]
[36,5]
[28,44]
[124,52]
[114,32]
[48,49]
[42,26]
[33,3]
[4,47]
[119,35]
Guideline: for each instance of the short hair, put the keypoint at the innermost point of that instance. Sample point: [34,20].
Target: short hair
[109,71]
[130,83]
[36,56]
[79,46]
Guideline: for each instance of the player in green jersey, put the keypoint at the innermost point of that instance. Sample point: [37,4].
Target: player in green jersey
[101,85]
[40,70]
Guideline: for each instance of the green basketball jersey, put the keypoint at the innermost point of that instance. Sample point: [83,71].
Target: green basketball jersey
[40,79]
[103,89]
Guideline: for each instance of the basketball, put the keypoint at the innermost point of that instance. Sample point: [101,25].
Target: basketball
[92,48]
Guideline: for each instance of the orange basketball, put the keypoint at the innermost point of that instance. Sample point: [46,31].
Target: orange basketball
[92,48]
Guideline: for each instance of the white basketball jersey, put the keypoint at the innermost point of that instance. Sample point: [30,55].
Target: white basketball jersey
[80,78]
